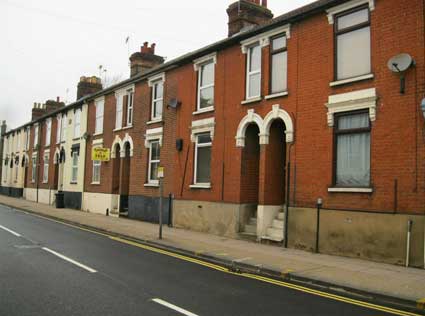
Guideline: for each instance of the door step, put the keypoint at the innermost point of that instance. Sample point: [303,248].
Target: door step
[275,232]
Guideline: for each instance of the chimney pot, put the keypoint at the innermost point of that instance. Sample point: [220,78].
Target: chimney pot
[141,62]
[88,85]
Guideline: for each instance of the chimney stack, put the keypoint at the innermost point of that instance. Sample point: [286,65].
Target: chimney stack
[87,86]
[52,105]
[141,62]
[246,14]
[37,111]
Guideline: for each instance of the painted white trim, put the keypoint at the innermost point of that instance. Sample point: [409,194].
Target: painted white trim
[202,126]
[276,95]
[350,190]
[153,134]
[264,125]
[349,80]
[197,63]
[264,38]
[151,185]
[117,141]
[200,186]
[351,101]
[154,122]
[155,78]
[122,91]
[251,100]
[98,141]
[204,110]
[127,139]
[346,6]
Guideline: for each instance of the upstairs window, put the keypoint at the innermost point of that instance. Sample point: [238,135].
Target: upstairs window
[352,40]
[278,64]
[118,111]
[99,117]
[77,123]
[352,134]
[35,135]
[27,139]
[18,142]
[130,101]
[63,129]
[253,73]
[58,129]
[157,100]
[48,131]
[206,85]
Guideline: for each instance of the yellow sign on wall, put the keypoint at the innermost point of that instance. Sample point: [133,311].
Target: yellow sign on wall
[100,154]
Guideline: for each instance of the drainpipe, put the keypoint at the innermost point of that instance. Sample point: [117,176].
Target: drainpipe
[86,137]
[40,131]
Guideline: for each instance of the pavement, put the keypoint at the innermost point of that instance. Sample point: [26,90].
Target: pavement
[369,281]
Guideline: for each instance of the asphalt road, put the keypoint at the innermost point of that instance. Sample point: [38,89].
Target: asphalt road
[47,268]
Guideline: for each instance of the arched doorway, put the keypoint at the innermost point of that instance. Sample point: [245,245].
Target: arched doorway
[250,171]
[116,169]
[125,179]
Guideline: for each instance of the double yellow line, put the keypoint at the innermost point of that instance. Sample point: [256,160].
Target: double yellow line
[269,280]
[246,275]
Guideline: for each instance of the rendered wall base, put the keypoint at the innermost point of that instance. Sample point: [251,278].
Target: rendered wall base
[372,236]
[73,200]
[13,192]
[146,208]
[216,218]
[99,202]
[265,216]
[45,196]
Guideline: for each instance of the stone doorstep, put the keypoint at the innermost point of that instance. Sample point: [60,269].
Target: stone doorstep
[261,270]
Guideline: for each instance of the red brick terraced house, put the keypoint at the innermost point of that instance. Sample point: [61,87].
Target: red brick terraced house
[318,109]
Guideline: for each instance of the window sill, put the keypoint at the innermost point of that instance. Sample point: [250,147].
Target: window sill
[97,134]
[350,80]
[117,129]
[73,182]
[154,121]
[276,95]
[350,190]
[95,183]
[200,186]
[127,127]
[152,185]
[252,100]
[204,110]
[76,139]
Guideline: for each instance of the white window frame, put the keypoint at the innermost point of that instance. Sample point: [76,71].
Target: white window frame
[160,78]
[251,73]
[96,164]
[36,131]
[151,161]
[59,129]
[198,65]
[46,163]
[119,109]
[130,107]
[18,141]
[27,139]
[63,127]
[74,167]
[48,131]
[77,123]
[195,173]
[99,118]
[34,168]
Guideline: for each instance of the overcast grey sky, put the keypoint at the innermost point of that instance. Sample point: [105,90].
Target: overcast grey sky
[46,45]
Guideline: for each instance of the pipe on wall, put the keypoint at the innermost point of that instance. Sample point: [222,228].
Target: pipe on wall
[409,236]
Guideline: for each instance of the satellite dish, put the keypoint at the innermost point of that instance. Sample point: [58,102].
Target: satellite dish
[174,103]
[400,63]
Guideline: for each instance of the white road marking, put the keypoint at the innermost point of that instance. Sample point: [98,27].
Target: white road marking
[173,307]
[70,260]
[10,231]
